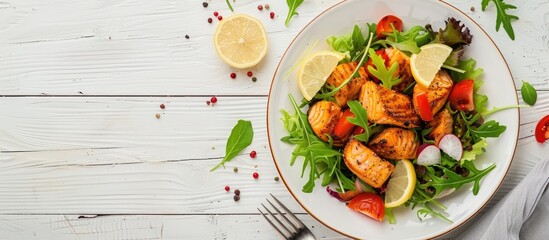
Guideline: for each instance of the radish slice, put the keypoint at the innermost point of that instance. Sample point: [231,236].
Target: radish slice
[358,186]
[429,156]
[421,147]
[451,145]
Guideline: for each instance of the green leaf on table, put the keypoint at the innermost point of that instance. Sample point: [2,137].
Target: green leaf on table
[241,137]
[502,17]
[529,94]
[292,7]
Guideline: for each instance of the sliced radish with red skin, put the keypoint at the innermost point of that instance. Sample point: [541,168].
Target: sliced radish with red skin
[451,145]
[429,156]
[421,147]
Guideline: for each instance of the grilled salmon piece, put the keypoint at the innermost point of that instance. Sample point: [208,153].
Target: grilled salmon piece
[437,92]
[442,124]
[366,165]
[386,106]
[404,71]
[395,143]
[341,73]
[323,116]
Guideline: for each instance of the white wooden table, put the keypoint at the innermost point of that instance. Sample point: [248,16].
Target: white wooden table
[82,155]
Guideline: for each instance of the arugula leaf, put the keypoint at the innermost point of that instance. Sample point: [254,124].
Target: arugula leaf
[386,76]
[229,4]
[319,156]
[360,119]
[502,17]
[451,179]
[488,129]
[292,7]
[477,149]
[408,41]
[241,137]
[529,94]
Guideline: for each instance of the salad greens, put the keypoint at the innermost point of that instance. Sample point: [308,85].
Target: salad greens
[319,156]
[241,137]
[502,17]
[292,7]
[324,161]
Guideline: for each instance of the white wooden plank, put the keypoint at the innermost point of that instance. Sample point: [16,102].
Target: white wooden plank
[148,227]
[138,47]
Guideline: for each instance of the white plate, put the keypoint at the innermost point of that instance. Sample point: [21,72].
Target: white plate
[462,205]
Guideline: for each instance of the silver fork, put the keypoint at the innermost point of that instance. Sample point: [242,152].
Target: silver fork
[291,229]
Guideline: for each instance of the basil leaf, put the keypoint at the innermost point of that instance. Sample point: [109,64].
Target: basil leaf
[529,94]
[292,6]
[241,137]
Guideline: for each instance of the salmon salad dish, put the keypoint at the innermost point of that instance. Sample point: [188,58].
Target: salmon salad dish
[391,117]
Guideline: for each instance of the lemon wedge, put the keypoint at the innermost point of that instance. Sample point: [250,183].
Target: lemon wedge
[240,41]
[401,184]
[314,71]
[427,63]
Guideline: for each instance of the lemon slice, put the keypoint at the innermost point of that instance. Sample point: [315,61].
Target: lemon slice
[427,63]
[401,185]
[314,72]
[240,41]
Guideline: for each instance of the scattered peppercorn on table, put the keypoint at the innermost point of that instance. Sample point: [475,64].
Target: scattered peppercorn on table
[113,113]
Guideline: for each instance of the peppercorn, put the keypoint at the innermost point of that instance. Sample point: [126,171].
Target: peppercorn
[253,154]
[208,102]
[254,79]
[267,6]
[277,178]
[187,36]
[227,188]
[235,169]
[213,99]
[216,13]
[250,73]
[162,106]
[260,8]
[236,198]
[205,4]
[272,15]
[237,192]
[220,18]
[157,116]
[233,75]
[255,175]
[210,20]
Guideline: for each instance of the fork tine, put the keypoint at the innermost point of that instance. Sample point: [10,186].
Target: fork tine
[278,221]
[301,225]
[272,224]
[284,216]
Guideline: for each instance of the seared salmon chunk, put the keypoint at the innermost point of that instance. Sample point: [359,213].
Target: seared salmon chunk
[437,92]
[322,117]
[350,91]
[441,125]
[395,143]
[404,71]
[366,164]
[386,106]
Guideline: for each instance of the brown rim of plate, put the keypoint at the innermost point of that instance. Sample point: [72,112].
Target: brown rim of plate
[269,135]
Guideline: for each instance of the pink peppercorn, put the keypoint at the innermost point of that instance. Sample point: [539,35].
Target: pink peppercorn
[272,14]
[253,154]
[208,103]
[255,175]
[213,99]
[220,18]
[216,13]
[260,8]
[250,73]
[162,106]
[227,188]
[233,75]
[210,20]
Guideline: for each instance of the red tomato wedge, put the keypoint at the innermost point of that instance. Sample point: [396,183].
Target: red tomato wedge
[381,53]
[343,127]
[369,204]
[542,130]
[425,111]
[461,96]
[384,25]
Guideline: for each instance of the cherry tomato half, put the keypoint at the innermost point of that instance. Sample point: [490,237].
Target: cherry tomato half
[381,53]
[425,111]
[369,204]
[384,25]
[542,129]
[461,96]
[343,127]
